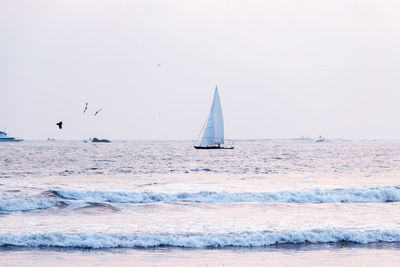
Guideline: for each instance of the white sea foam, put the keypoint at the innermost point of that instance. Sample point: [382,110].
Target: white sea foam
[198,240]
[347,195]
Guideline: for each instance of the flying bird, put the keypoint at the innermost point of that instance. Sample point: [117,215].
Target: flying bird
[85,107]
[97,112]
[60,124]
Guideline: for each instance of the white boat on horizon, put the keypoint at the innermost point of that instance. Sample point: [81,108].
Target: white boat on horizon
[213,132]
[5,138]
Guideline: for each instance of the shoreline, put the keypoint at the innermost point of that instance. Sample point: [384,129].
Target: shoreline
[337,254]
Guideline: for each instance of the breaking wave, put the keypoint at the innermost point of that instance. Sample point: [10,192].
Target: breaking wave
[82,198]
[198,240]
[347,195]
[25,204]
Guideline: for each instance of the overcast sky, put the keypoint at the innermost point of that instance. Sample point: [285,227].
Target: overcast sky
[284,69]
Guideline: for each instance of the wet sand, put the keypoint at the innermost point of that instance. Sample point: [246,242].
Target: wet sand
[379,254]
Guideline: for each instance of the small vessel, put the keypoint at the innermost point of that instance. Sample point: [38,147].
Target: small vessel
[5,138]
[96,140]
[320,139]
[213,132]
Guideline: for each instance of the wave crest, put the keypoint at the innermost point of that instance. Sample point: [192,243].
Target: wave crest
[25,204]
[198,240]
[347,195]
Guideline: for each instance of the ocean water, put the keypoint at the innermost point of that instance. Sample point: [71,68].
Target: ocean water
[281,202]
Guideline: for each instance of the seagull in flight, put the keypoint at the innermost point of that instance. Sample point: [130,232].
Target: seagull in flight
[60,124]
[85,107]
[97,112]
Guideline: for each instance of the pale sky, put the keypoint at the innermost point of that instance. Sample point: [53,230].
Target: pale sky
[284,69]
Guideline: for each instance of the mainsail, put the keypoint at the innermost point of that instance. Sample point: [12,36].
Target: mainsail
[213,134]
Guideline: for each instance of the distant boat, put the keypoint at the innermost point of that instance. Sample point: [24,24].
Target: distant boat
[96,140]
[213,133]
[5,138]
[320,139]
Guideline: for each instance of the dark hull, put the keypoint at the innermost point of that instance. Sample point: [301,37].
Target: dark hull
[96,140]
[10,139]
[212,147]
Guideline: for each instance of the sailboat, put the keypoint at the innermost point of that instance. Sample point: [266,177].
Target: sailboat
[213,132]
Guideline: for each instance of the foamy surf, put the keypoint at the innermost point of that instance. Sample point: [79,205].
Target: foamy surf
[197,240]
[347,195]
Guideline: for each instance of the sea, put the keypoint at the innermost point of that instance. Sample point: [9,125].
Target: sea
[163,203]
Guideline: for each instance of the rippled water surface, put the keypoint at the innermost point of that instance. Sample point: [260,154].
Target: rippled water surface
[132,194]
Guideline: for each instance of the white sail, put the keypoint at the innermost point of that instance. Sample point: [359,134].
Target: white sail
[213,134]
